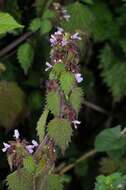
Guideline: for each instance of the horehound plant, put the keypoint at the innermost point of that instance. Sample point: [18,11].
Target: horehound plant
[33,164]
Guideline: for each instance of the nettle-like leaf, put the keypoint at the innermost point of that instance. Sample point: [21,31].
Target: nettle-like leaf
[76,98]
[53,102]
[7,23]
[67,80]
[110,140]
[12,103]
[81,18]
[113,73]
[58,69]
[54,182]
[29,164]
[25,56]
[41,124]
[20,180]
[61,131]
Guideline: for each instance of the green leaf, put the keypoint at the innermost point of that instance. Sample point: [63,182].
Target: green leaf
[113,72]
[20,180]
[48,14]
[7,23]
[110,139]
[76,98]
[104,26]
[12,104]
[53,102]
[25,56]
[41,124]
[58,69]
[29,164]
[88,1]
[61,131]
[67,80]
[81,18]
[54,182]
[46,26]
[35,24]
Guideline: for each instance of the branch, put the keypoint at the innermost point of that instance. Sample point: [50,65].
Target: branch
[15,43]
[82,158]
[95,107]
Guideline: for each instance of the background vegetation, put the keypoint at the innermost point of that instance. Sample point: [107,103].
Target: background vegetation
[24,49]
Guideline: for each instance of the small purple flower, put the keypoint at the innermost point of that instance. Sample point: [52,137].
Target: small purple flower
[35,144]
[53,40]
[30,148]
[6,147]
[49,66]
[78,77]
[16,134]
[76,36]
[76,122]
[64,42]
[60,29]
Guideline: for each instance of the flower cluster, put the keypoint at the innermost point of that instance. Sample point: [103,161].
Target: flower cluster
[17,149]
[63,43]
[61,12]
[65,50]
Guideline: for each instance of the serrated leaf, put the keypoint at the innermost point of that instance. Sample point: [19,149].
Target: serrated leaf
[76,97]
[46,26]
[54,182]
[53,102]
[35,24]
[20,180]
[110,140]
[25,56]
[58,69]
[113,72]
[41,124]
[7,23]
[67,81]
[12,103]
[29,164]
[61,131]
[81,18]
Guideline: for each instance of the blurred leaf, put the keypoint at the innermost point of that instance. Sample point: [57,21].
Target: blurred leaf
[46,26]
[34,100]
[81,169]
[88,1]
[7,23]
[11,103]
[48,14]
[35,24]
[25,56]
[110,139]
[81,18]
